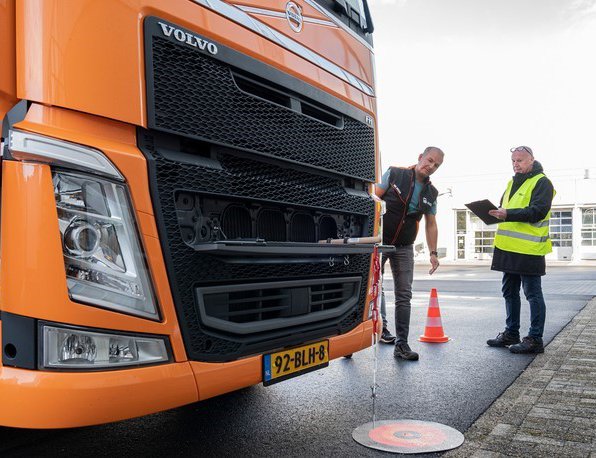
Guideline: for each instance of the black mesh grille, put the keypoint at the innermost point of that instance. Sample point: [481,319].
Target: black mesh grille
[196,96]
[188,269]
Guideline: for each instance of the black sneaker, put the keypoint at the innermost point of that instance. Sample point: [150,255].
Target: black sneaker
[504,339]
[403,351]
[528,345]
[387,337]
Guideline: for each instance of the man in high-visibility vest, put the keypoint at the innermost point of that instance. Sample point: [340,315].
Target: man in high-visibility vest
[521,243]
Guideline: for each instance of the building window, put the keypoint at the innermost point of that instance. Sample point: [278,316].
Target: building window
[561,228]
[588,227]
[484,236]
[461,221]
[461,229]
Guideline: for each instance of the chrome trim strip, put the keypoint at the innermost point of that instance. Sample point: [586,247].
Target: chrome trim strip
[25,146]
[246,20]
[279,14]
[322,10]
[261,11]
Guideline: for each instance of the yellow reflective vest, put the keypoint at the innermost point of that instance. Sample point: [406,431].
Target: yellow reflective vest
[525,238]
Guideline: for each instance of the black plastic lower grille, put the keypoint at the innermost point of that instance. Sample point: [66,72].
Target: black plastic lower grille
[258,307]
[243,178]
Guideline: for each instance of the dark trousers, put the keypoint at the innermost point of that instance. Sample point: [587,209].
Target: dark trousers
[402,269]
[532,285]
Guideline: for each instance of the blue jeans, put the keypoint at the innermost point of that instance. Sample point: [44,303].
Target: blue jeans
[532,285]
[402,269]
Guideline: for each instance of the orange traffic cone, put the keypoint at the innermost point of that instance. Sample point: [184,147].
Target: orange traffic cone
[433,332]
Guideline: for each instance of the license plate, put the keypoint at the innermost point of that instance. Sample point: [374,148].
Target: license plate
[286,364]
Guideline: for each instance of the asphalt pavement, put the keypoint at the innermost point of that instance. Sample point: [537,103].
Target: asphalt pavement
[313,415]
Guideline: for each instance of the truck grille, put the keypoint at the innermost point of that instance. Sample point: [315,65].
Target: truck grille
[182,189]
[234,156]
[197,96]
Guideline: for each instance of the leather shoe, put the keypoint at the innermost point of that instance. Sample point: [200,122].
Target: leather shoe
[403,351]
[503,339]
[387,337]
[528,345]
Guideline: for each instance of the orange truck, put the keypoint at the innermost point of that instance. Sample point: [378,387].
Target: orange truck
[176,175]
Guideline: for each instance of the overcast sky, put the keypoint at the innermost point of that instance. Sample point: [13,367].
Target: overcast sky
[476,77]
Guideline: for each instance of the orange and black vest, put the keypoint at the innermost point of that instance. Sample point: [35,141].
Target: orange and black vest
[399,228]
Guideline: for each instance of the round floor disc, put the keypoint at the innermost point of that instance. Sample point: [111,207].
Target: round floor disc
[408,436]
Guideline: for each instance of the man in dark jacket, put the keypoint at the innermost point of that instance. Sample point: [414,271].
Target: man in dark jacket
[409,195]
[521,243]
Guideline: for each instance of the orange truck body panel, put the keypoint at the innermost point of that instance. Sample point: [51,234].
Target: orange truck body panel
[100,45]
[80,66]
[8,81]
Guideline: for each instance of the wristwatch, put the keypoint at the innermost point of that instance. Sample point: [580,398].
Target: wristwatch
[435,253]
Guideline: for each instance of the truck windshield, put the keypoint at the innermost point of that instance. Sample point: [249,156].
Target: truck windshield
[353,13]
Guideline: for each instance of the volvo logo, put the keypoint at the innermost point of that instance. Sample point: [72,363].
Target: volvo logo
[188,38]
[294,16]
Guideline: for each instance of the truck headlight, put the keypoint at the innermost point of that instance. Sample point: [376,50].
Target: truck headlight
[77,348]
[104,261]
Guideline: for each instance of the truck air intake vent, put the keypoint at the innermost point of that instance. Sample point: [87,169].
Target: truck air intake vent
[236,222]
[271,225]
[283,98]
[253,308]
[197,96]
[303,228]
[328,228]
[213,218]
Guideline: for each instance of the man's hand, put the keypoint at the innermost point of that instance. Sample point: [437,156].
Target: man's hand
[434,261]
[499,213]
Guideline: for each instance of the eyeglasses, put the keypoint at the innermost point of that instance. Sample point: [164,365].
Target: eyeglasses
[527,149]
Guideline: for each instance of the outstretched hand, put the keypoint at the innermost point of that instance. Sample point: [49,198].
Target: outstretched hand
[434,261]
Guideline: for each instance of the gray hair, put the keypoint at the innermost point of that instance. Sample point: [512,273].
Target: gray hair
[430,149]
[527,149]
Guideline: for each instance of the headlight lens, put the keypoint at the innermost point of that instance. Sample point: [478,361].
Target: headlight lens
[83,349]
[104,261]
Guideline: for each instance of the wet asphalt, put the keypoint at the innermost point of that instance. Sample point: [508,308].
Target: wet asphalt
[315,414]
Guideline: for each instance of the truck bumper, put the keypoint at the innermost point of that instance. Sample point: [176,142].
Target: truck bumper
[36,399]
[40,399]
[214,379]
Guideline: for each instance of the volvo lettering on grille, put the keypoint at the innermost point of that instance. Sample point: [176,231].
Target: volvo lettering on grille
[188,38]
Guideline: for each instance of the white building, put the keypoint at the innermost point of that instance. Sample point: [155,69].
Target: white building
[462,236]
